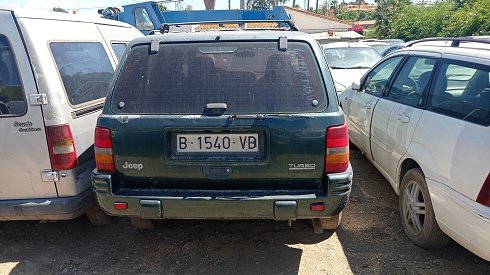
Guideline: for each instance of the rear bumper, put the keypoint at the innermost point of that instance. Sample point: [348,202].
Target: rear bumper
[471,227]
[47,209]
[277,207]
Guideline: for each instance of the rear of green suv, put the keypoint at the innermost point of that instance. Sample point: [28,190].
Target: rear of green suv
[223,125]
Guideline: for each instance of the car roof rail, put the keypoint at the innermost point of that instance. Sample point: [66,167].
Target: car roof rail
[455,41]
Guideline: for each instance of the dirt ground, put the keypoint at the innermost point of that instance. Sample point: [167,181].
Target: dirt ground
[369,241]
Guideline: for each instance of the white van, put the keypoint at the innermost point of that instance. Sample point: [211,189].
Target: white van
[55,70]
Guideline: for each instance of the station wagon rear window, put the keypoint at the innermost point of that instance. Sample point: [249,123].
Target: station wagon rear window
[249,77]
[84,68]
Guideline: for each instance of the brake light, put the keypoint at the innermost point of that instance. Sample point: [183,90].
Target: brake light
[104,159]
[484,195]
[61,147]
[337,153]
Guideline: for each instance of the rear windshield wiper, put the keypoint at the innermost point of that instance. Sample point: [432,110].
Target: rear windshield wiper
[264,116]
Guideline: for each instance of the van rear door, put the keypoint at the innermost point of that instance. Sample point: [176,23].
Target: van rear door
[24,163]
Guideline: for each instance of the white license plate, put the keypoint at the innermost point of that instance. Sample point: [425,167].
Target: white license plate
[217,143]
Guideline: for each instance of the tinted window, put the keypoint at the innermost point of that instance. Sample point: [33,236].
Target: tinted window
[412,81]
[250,77]
[119,49]
[12,101]
[351,57]
[378,78]
[84,68]
[462,90]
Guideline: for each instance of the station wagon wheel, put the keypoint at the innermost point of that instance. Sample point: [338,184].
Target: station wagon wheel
[417,214]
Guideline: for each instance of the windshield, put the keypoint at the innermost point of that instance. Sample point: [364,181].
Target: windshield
[249,77]
[351,57]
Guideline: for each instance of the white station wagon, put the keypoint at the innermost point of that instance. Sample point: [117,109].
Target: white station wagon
[422,117]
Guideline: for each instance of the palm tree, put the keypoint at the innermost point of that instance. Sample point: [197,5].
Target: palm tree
[209,4]
[316,9]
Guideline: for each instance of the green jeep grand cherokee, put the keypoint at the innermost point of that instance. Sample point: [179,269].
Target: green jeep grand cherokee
[223,125]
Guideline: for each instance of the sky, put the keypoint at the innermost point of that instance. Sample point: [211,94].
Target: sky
[91,6]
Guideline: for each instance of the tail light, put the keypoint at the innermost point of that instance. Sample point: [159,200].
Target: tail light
[484,195]
[337,155]
[61,147]
[103,150]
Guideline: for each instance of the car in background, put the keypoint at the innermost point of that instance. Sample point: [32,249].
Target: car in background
[349,61]
[391,41]
[392,48]
[378,45]
[422,117]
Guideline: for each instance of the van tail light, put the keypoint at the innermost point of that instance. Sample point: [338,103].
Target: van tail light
[103,150]
[484,195]
[337,153]
[61,147]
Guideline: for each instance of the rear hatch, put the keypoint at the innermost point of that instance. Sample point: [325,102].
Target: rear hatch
[219,116]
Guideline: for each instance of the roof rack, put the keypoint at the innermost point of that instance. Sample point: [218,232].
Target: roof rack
[165,27]
[240,17]
[455,42]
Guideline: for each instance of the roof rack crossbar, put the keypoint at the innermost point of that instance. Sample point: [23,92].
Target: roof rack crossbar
[164,27]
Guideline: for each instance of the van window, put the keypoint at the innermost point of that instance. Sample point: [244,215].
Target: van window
[462,90]
[118,49]
[250,77]
[12,100]
[84,68]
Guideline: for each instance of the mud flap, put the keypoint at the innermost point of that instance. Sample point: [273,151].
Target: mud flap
[150,209]
[285,210]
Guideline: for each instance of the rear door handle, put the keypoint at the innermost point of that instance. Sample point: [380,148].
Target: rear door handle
[403,118]
[367,105]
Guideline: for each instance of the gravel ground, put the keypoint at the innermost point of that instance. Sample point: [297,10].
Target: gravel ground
[369,241]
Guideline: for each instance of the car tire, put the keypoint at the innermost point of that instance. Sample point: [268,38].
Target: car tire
[416,212]
[331,223]
[98,217]
[142,224]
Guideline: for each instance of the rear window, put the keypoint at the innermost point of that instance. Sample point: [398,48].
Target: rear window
[84,68]
[250,77]
[351,57]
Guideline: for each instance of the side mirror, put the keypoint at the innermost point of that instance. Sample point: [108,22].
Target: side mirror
[356,86]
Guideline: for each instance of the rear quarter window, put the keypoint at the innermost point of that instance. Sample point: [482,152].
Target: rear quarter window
[462,90]
[84,68]
[250,77]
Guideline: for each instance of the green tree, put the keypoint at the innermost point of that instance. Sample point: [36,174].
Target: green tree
[385,12]
[263,4]
[414,22]
[472,19]
[162,7]
[356,15]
